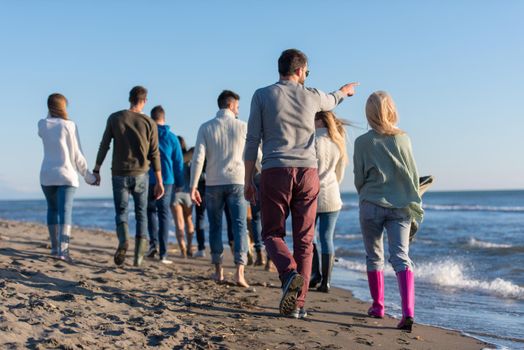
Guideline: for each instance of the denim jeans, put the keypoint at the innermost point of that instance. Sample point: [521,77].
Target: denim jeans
[200,218]
[326,230]
[59,204]
[158,217]
[397,222]
[216,197]
[137,186]
[256,223]
[229,223]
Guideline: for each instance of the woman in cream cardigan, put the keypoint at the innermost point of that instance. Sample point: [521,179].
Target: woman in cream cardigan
[63,158]
[332,157]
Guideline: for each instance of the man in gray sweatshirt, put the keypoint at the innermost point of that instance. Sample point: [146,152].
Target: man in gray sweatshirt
[282,118]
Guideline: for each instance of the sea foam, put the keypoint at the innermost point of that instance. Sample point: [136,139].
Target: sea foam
[449,274]
[475,243]
[443,207]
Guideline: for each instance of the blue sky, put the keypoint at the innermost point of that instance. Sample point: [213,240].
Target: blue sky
[455,70]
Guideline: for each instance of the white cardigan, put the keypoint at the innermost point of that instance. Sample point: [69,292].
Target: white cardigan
[62,153]
[331,169]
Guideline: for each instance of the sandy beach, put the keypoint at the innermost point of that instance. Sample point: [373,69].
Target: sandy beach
[91,304]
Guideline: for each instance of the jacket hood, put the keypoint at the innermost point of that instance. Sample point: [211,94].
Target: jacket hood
[163,130]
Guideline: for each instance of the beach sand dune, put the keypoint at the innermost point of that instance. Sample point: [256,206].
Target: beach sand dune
[91,304]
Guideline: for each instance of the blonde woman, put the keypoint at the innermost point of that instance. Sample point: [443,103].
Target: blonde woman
[182,207]
[386,179]
[63,158]
[330,144]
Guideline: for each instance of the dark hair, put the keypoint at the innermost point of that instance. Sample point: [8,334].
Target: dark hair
[182,144]
[290,60]
[57,105]
[226,97]
[158,113]
[137,95]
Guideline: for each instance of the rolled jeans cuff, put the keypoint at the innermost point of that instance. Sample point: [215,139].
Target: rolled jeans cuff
[217,258]
[241,258]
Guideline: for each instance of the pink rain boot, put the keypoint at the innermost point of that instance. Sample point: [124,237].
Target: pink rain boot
[376,289]
[406,286]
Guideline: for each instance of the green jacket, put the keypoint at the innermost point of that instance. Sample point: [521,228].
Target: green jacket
[386,173]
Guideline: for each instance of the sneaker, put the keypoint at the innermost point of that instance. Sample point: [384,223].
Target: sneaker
[200,254]
[151,252]
[298,313]
[290,290]
[165,261]
[66,258]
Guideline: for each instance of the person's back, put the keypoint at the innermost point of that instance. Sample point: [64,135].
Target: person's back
[286,105]
[224,162]
[61,160]
[388,175]
[287,123]
[132,133]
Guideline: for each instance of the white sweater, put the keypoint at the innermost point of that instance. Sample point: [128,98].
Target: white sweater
[220,142]
[62,153]
[331,169]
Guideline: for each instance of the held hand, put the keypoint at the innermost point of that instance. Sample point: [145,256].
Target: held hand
[250,193]
[89,178]
[349,89]
[97,181]
[159,190]
[195,196]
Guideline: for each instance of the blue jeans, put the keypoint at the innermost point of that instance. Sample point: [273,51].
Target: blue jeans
[216,198]
[158,219]
[59,204]
[200,218]
[137,186]
[397,222]
[256,223]
[326,230]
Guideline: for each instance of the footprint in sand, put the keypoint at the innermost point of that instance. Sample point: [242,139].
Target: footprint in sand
[364,341]
[402,341]
[100,280]
[63,297]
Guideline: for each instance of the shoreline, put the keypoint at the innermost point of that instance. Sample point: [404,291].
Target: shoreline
[92,303]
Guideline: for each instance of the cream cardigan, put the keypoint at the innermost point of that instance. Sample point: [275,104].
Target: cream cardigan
[63,156]
[331,169]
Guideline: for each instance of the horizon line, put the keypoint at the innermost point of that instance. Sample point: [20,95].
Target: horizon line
[344,192]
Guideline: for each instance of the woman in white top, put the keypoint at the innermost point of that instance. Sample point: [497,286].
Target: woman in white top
[330,143]
[63,158]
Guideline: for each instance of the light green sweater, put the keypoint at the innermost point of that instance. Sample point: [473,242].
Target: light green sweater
[386,173]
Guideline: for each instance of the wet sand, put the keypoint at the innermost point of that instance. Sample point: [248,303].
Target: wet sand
[91,304]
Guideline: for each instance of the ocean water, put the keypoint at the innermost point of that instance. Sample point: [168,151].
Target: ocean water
[468,255]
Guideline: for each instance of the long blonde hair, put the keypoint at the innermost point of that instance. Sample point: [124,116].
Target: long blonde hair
[336,131]
[57,105]
[381,113]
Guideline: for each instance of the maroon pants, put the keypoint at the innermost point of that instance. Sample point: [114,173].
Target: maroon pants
[283,190]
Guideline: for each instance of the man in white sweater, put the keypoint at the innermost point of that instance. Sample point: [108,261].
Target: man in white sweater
[221,142]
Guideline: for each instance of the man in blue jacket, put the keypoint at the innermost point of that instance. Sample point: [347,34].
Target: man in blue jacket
[172,163]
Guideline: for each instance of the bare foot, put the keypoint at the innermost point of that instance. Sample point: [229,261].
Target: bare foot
[270,266]
[239,278]
[218,276]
